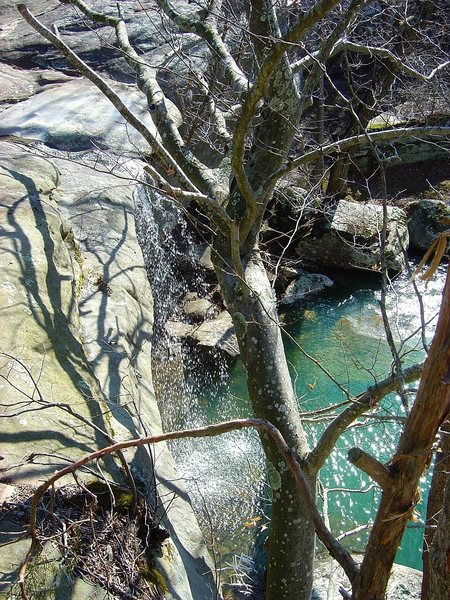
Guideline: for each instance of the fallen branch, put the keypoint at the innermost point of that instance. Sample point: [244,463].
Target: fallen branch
[336,550]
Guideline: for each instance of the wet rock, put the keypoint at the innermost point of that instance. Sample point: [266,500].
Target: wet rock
[198,309]
[350,238]
[426,220]
[178,329]
[305,285]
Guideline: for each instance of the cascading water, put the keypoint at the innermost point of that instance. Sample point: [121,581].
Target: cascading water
[168,248]
[223,475]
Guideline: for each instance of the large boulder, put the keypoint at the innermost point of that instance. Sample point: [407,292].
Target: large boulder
[22,46]
[426,220]
[404,583]
[20,84]
[76,317]
[349,238]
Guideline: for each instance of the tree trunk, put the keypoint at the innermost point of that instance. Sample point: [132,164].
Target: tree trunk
[440,553]
[434,506]
[412,457]
[292,538]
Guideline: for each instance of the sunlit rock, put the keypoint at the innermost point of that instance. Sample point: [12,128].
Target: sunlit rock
[349,238]
[76,116]
[306,285]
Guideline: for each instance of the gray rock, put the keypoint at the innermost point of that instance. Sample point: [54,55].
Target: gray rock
[178,329]
[305,285]
[351,238]
[19,84]
[76,310]
[217,333]
[76,116]
[198,309]
[426,220]
[404,584]
[22,46]
[205,258]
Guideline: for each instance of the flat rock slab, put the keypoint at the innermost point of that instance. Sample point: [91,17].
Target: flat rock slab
[76,116]
[20,84]
[217,333]
[304,286]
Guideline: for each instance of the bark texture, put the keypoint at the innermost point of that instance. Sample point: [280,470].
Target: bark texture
[440,553]
[291,545]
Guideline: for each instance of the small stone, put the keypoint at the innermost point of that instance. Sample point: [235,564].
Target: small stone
[199,310]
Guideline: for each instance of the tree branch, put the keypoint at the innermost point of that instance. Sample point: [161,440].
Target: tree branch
[362,140]
[358,407]
[395,60]
[254,96]
[207,30]
[370,465]
[109,93]
[343,44]
[336,550]
[156,100]
[214,210]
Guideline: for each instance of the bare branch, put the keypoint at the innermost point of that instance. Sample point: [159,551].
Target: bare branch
[215,211]
[395,60]
[109,93]
[361,140]
[157,102]
[207,30]
[359,406]
[343,44]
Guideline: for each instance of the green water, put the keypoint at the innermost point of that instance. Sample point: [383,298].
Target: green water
[343,330]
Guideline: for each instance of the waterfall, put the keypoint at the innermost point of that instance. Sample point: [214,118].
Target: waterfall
[168,246]
[223,475]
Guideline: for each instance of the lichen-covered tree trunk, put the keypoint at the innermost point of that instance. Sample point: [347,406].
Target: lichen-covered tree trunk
[291,543]
[413,455]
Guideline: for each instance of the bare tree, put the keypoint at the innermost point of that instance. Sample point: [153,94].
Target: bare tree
[251,106]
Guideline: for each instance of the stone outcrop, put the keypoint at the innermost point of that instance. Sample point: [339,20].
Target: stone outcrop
[404,584]
[76,317]
[426,220]
[348,237]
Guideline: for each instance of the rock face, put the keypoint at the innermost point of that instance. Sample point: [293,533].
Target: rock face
[426,220]
[76,116]
[350,238]
[76,308]
[76,317]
